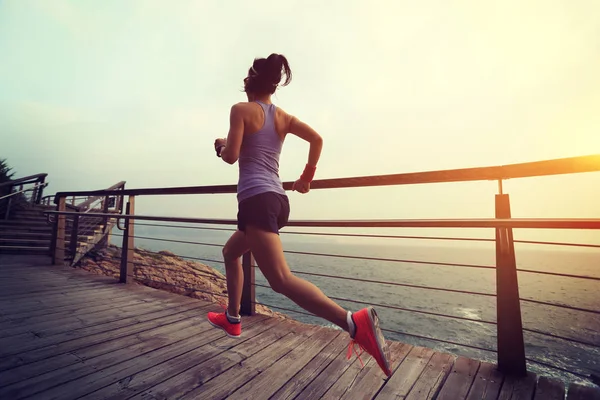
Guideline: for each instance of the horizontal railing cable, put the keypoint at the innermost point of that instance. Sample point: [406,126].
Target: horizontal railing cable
[201,259]
[283,308]
[193,272]
[176,241]
[364,235]
[420,262]
[380,259]
[557,368]
[497,223]
[413,310]
[367,235]
[579,341]
[187,257]
[390,260]
[439,340]
[191,289]
[396,284]
[532,271]
[558,243]
[400,308]
[186,227]
[386,330]
[560,306]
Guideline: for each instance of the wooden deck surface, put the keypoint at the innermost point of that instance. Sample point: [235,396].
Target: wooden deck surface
[69,334]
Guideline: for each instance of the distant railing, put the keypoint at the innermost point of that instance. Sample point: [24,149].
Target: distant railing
[510,342]
[27,190]
[87,230]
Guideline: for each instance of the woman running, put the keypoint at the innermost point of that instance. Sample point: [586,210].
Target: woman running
[256,134]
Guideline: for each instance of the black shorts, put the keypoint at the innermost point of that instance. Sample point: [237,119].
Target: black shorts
[267,211]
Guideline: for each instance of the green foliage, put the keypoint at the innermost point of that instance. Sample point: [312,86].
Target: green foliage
[5,171]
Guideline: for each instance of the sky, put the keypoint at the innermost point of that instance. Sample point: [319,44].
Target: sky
[95,92]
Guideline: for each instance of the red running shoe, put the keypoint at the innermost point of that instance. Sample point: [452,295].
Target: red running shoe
[221,321]
[369,338]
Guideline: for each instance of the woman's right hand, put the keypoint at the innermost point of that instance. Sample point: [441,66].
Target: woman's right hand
[301,186]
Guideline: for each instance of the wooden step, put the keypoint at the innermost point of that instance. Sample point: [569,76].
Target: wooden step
[25,235]
[24,250]
[33,222]
[24,242]
[26,228]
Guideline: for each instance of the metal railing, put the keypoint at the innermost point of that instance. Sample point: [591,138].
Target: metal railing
[510,349]
[86,230]
[25,191]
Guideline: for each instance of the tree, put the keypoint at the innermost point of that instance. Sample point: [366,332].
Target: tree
[5,171]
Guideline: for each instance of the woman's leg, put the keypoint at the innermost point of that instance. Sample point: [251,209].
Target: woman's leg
[268,252]
[233,250]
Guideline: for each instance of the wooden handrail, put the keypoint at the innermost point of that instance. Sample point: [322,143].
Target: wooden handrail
[561,166]
[25,180]
[31,189]
[92,199]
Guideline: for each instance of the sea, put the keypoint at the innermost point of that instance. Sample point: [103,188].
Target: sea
[581,356]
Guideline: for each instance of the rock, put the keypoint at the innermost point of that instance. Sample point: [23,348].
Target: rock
[166,271]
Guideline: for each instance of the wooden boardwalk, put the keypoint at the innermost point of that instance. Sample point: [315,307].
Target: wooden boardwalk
[69,334]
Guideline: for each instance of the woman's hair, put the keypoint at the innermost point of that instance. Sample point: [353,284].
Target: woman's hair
[265,74]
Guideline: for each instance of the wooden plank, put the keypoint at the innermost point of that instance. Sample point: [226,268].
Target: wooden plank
[404,378]
[580,392]
[15,344]
[82,306]
[133,342]
[25,294]
[215,343]
[76,303]
[459,381]
[52,324]
[37,293]
[94,373]
[61,375]
[370,380]
[270,380]
[313,369]
[549,389]
[229,381]
[329,376]
[48,300]
[521,388]
[112,289]
[215,362]
[130,308]
[487,383]
[121,371]
[342,382]
[48,347]
[432,378]
[41,286]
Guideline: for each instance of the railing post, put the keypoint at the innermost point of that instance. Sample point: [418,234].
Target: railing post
[40,190]
[103,244]
[74,236]
[105,211]
[58,235]
[8,204]
[248,306]
[127,248]
[511,347]
[34,194]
